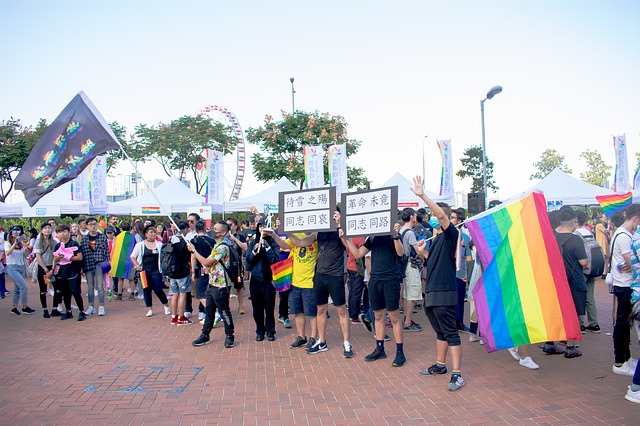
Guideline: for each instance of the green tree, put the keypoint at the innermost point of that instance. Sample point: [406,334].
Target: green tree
[472,168]
[598,171]
[281,144]
[115,156]
[549,160]
[179,146]
[16,142]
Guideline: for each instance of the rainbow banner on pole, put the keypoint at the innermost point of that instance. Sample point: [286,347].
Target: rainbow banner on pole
[121,264]
[616,203]
[523,296]
[282,274]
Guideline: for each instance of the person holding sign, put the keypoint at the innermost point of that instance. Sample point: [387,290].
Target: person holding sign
[441,292]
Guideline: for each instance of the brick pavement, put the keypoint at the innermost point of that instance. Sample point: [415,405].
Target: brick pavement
[69,372]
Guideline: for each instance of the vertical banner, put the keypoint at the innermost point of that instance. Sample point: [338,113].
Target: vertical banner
[446,173]
[313,167]
[372,212]
[621,179]
[215,177]
[337,155]
[98,185]
[80,185]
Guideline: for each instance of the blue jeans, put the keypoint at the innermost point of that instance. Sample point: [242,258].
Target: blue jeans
[16,273]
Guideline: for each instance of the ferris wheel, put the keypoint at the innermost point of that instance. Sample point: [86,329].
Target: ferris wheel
[234,166]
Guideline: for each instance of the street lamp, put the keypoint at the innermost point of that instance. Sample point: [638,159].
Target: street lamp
[423,168]
[490,94]
[293,96]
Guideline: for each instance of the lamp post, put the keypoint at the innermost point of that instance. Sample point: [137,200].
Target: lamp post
[423,168]
[293,96]
[490,94]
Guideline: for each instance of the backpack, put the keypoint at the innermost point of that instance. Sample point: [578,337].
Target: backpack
[595,256]
[234,270]
[401,262]
[207,242]
[168,260]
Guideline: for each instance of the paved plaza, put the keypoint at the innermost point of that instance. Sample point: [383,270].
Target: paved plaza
[124,368]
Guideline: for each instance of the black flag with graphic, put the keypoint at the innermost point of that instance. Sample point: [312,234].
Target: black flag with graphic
[75,137]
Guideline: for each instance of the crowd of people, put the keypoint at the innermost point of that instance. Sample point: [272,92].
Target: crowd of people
[427,262]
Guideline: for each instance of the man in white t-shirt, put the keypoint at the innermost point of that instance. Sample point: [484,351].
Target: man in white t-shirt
[622,279]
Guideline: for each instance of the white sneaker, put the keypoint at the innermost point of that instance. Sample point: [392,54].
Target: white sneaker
[90,311]
[625,369]
[514,353]
[201,316]
[167,310]
[139,297]
[51,293]
[100,311]
[187,314]
[633,396]
[481,342]
[474,338]
[633,363]
[150,313]
[528,362]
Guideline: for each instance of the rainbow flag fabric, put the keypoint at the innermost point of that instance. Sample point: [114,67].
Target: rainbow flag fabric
[143,279]
[121,265]
[282,273]
[616,203]
[523,296]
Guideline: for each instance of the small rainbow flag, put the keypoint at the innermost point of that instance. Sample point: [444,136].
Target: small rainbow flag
[616,203]
[282,272]
[523,296]
[143,279]
[121,265]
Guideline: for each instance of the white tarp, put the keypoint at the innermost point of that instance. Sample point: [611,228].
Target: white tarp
[559,186]
[174,197]
[261,200]
[406,198]
[54,203]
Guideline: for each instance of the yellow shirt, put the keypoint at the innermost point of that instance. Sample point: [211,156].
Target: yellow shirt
[602,239]
[304,264]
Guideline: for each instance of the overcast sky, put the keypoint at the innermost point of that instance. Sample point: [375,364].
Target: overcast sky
[396,71]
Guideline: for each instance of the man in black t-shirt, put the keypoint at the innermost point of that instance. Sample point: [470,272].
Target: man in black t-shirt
[179,279]
[203,244]
[239,244]
[67,276]
[441,292]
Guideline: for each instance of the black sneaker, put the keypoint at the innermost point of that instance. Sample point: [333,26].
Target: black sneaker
[259,337]
[583,329]
[365,321]
[55,313]
[375,355]
[202,340]
[271,337]
[318,347]
[300,342]
[593,328]
[66,316]
[433,370]
[572,353]
[45,314]
[28,311]
[456,383]
[229,342]
[552,349]
[400,360]
[82,316]
[15,311]
[387,338]
[348,353]
[310,344]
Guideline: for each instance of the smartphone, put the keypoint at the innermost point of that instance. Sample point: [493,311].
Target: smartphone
[21,238]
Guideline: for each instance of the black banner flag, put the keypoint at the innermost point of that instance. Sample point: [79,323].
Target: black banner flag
[75,137]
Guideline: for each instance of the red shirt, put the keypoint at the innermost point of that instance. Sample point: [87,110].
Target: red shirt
[351,261]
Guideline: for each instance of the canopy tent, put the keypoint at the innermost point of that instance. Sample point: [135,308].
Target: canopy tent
[559,187]
[406,198]
[173,195]
[54,203]
[263,199]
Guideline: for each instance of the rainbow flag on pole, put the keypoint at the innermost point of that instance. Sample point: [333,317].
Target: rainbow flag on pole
[143,279]
[121,265]
[616,203]
[282,274]
[523,296]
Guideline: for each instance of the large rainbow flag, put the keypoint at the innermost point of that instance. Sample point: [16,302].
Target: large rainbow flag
[121,265]
[615,203]
[523,296]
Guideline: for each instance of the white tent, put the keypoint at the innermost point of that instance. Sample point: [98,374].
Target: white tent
[267,197]
[567,190]
[406,198]
[54,203]
[173,195]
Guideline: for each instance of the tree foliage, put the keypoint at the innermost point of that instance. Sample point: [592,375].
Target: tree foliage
[281,144]
[16,142]
[598,171]
[179,146]
[472,168]
[549,160]
[115,156]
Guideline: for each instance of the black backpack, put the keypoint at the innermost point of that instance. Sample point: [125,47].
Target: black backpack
[234,270]
[168,259]
[401,262]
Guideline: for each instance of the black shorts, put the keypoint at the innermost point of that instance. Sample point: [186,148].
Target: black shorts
[580,301]
[328,285]
[384,295]
[443,321]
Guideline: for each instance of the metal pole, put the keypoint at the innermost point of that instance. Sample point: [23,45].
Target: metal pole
[423,166]
[484,157]
[293,96]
